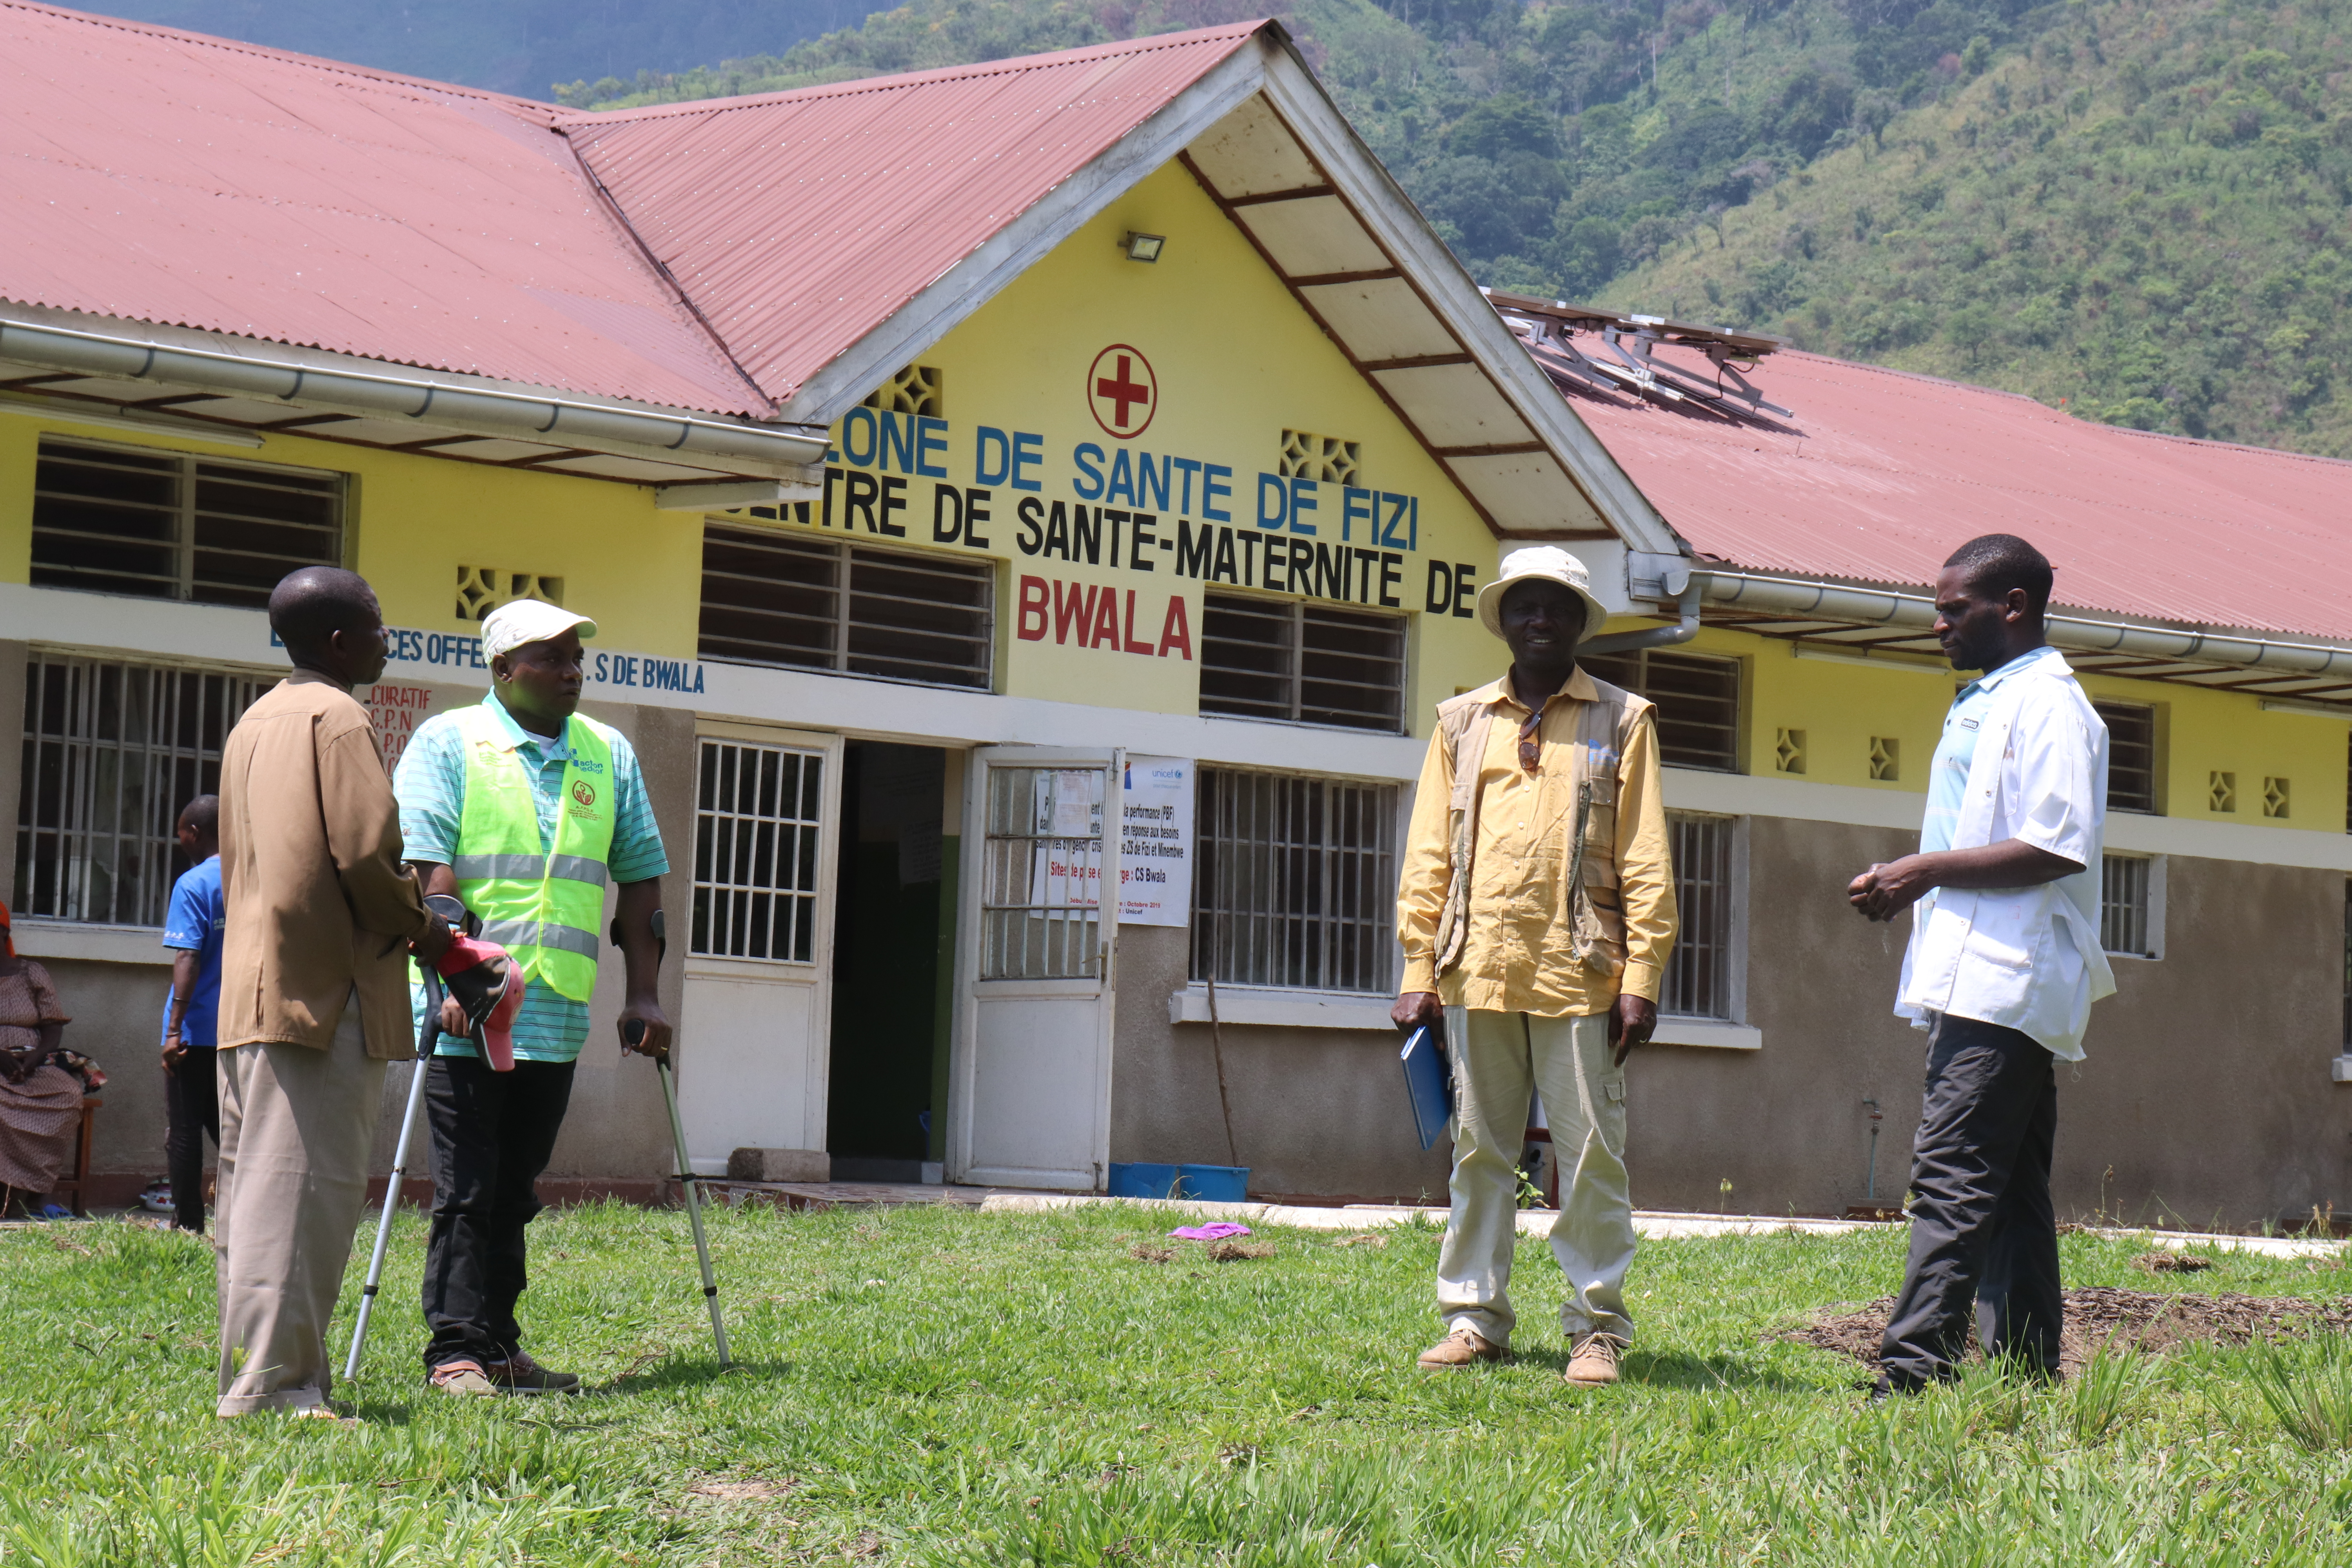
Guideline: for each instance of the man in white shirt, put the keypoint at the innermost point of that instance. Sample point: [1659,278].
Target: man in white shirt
[2004,964]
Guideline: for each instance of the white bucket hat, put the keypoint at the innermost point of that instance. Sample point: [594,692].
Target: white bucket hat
[521,621]
[1551,564]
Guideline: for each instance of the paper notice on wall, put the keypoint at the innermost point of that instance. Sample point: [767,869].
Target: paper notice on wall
[1065,863]
[1155,842]
[396,711]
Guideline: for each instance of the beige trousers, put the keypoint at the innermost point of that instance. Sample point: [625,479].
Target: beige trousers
[296,1127]
[1499,1059]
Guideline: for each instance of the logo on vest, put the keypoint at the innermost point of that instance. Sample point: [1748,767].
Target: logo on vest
[583,794]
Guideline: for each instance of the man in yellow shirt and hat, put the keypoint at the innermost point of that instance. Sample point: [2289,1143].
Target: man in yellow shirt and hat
[1536,905]
[525,810]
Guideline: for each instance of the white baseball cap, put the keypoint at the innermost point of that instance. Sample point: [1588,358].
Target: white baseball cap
[519,621]
[1551,565]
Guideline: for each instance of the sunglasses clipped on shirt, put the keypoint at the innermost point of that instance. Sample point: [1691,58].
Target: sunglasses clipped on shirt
[1531,741]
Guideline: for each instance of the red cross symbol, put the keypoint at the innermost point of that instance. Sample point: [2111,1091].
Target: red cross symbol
[1121,391]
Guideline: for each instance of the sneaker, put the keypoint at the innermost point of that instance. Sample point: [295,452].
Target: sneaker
[1462,1347]
[461,1377]
[521,1374]
[1594,1362]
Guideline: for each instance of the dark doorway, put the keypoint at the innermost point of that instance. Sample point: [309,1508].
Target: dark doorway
[882,1122]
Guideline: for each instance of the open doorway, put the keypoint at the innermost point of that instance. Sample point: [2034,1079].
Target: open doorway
[891,965]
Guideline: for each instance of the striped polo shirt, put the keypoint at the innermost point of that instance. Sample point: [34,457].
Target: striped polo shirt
[431,784]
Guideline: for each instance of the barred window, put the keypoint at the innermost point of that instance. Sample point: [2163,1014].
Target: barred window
[112,751]
[776,598]
[167,526]
[1697,696]
[1702,973]
[1273,658]
[2129,913]
[1293,881]
[1041,874]
[2131,755]
[758,812]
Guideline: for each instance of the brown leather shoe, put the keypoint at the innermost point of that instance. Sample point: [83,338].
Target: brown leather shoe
[1594,1362]
[1462,1347]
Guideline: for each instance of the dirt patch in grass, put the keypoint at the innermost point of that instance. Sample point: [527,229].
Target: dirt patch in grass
[1239,1251]
[2095,1315]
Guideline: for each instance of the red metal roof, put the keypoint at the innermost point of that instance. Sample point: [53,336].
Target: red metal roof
[1881,474]
[802,220]
[167,178]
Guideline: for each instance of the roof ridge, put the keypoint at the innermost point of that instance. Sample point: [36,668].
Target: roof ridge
[545,113]
[1010,64]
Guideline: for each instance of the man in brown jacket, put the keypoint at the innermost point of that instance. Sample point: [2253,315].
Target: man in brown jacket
[321,917]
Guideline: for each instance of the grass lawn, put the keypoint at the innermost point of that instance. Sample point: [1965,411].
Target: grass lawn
[935,1386]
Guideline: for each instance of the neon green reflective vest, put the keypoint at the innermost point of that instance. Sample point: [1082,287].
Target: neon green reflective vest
[542,905]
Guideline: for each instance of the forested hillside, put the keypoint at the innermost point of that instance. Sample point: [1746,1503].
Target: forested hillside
[2135,208]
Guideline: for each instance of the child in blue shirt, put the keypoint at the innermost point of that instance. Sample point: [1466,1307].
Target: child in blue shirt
[192,931]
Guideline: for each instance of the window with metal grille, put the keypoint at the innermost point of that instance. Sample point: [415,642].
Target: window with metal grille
[1041,875]
[1697,696]
[1293,881]
[2127,906]
[167,526]
[758,812]
[1702,974]
[112,751]
[777,598]
[2131,755]
[1273,658]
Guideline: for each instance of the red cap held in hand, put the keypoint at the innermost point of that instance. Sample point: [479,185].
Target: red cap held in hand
[482,979]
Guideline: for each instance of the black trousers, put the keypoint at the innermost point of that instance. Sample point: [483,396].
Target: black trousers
[191,1111]
[1983,1235]
[492,1134]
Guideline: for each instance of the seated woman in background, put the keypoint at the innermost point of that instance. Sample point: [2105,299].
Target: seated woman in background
[41,1084]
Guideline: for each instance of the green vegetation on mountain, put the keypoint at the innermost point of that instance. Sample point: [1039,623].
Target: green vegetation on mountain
[2141,218]
[2133,208]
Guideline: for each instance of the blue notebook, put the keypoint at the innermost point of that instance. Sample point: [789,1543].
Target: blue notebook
[1428,1085]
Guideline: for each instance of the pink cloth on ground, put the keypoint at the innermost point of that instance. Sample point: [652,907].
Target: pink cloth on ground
[1215,1231]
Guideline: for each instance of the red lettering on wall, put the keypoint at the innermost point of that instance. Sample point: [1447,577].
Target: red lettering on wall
[1174,632]
[1106,630]
[1077,610]
[1035,598]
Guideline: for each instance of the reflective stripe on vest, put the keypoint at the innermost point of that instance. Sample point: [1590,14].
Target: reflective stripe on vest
[542,903]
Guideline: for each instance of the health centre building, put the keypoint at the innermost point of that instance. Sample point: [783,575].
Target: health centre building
[1031,511]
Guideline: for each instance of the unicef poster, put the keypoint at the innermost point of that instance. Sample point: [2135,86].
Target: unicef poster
[1155,842]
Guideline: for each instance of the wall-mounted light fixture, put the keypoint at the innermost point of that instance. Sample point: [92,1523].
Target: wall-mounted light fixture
[1143,246]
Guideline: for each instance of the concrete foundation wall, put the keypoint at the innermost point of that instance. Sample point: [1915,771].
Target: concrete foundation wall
[1315,1112]
[616,1133]
[2205,1098]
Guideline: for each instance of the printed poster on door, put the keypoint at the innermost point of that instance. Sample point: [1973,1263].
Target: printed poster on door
[1066,860]
[1155,842]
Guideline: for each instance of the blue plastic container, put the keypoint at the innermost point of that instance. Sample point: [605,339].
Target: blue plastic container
[1202,1184]
[1213,1183]
[1141,1179]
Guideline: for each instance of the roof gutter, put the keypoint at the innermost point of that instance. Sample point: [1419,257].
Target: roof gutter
[1872,606]
[416,397]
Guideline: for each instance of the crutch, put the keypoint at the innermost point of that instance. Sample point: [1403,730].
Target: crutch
[632,1032]
[427,1038]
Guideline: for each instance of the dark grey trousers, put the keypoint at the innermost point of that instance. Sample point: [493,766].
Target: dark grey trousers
[1982,1231]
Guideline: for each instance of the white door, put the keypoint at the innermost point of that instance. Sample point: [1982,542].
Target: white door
[1030,1098]
[755,1041]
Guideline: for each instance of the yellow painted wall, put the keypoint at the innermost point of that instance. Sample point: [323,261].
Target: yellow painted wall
[1841,706]
[1236,363]
[414,520]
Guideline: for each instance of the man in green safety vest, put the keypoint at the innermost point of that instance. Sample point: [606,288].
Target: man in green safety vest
[525,810]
